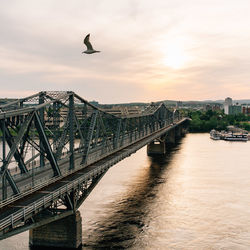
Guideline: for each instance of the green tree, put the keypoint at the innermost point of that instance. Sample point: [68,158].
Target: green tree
[204,121]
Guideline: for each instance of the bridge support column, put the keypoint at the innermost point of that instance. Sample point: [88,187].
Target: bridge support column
[183,130]
[156,148]
[178,132]
[64,233]
[170,138]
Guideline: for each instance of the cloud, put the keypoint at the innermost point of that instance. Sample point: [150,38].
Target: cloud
[41,42]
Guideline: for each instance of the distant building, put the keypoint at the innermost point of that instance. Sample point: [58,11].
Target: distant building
[228,103]
[234,110]
[212,106]
[179,104]
[246,110]
[208,107]
[216,107]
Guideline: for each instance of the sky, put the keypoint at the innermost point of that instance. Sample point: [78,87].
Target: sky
[151,50]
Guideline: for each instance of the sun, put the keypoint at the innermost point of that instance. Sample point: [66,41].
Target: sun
[175,56]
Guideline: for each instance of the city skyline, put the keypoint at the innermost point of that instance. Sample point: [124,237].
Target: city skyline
[174,50]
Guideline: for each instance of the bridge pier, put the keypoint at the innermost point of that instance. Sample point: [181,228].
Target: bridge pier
[160,145]
[178,132]
[171,137]
[156,148]
[65,233]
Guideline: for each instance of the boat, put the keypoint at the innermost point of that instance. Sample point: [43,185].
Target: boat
[228,136]
[236,137]
[215,135]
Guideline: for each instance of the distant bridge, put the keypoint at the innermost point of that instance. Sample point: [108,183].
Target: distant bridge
[56,147]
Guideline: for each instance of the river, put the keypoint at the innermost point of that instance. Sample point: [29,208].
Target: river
[195,197]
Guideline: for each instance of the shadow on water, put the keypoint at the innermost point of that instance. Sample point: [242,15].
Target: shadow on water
[128,216]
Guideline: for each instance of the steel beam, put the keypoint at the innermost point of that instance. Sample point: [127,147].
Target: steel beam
[71,131]
[41,114]
[117,134]
[46,145]
[94,182]
[89,136]
[13,144]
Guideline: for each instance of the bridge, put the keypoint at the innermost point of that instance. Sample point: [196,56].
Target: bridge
[55,148]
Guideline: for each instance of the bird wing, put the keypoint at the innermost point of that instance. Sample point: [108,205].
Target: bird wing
[87,43]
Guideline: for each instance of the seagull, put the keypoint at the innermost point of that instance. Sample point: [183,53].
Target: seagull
[90,49]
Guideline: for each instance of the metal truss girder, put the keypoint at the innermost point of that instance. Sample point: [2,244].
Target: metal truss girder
[17,155]
[117,134]
[78,128]
[18,101]
[7,176]
[104,133]
[71,130]
[25,138]
[46,145]
[90,135]
[124,124]
[33,158]
[96,129]
[41,111]
[97,133]
[14,143]
[62,139]
[95,181]
[70,203]
[93,106]
[12,183]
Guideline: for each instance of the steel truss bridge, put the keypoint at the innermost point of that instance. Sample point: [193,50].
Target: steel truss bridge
[56,147]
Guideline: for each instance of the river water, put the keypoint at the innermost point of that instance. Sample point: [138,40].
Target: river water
[196,197]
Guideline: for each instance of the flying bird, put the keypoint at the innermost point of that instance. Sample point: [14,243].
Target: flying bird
[90,49]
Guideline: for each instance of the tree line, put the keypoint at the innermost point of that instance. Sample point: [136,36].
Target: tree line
[205,121]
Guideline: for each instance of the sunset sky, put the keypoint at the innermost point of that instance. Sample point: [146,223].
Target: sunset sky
[150,50]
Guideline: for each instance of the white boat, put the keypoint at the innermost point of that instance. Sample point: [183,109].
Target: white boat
[236,137]
[215,135]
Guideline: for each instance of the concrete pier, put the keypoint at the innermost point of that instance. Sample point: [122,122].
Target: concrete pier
[63,233]
[156,148]
[170,137]
[183,130]
[178,132]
